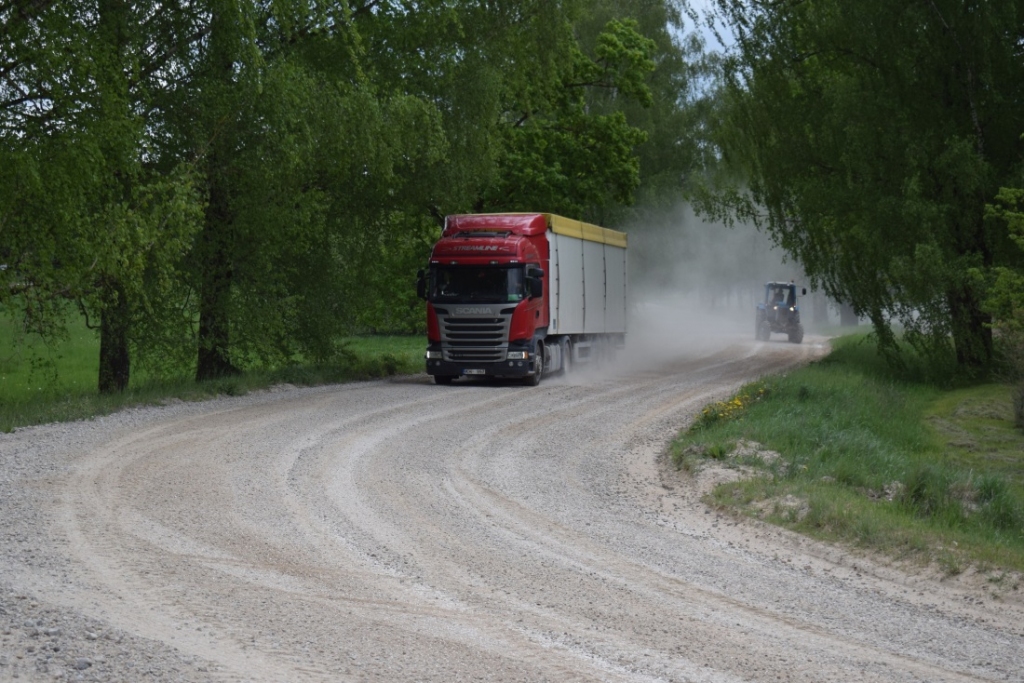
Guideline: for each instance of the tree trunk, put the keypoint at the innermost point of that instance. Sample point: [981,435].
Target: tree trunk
[847,316]
[115,361]
[216,242]
[972,335]
[115,314]
[214,359]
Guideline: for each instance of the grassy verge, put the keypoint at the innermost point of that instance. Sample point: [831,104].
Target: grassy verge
[40,385]
[846,451]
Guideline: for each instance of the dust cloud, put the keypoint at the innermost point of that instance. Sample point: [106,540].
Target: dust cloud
[693,286]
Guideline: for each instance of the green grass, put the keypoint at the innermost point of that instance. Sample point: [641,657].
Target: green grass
[28,368]
[874,458]
[39,384]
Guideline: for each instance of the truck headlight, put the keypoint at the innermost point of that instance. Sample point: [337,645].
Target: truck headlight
[517,355]
[434,354]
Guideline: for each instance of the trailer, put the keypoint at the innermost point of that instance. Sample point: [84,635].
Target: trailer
[522,295]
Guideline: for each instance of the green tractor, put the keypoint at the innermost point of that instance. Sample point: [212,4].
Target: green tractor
[780,312]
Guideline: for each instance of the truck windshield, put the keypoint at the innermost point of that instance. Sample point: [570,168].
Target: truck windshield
[484,284]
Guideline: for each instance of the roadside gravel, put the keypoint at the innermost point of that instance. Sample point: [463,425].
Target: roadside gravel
[400,531]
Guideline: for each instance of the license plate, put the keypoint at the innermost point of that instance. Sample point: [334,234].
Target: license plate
[474,371]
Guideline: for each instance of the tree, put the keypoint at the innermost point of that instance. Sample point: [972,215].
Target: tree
[867,137]
[306,162]
[85,217]
[1006,295]
[673,119]
[509,80]
[557,153]
[224,184]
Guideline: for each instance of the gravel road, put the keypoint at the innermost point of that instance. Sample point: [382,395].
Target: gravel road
[401,531]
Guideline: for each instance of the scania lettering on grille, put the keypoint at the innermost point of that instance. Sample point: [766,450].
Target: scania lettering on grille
[474,311]
[481,247]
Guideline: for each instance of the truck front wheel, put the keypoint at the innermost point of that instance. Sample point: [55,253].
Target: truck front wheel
[443,379]
[538,368]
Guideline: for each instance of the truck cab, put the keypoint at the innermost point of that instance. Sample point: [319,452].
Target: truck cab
[521,294]
[484,287]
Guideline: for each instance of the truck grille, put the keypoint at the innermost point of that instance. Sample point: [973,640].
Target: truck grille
[474,338]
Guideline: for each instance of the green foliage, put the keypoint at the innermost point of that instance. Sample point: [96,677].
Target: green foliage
[226,186]
[1006,297]
[876,457]
[674,120]
[556,153]
[86,218]
[866,137]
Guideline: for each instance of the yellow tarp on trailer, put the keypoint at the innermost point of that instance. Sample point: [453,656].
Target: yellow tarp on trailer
[585,231]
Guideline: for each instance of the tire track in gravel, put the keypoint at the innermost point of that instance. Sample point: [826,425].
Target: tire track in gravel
[539,531]
[396,531]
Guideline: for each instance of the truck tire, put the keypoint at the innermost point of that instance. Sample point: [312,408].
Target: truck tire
[443,379]
[538,368]
[566,347]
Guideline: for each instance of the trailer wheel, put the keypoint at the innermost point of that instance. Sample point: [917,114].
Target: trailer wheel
[443,379]
[566,346]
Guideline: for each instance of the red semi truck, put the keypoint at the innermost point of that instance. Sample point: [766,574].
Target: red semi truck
[522,295]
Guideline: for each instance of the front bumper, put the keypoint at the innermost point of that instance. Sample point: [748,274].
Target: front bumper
[510,367]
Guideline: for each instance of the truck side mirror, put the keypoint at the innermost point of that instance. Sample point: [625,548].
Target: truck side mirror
[421,284]
[534,283]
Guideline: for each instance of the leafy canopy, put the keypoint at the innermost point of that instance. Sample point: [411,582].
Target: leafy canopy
[867,138]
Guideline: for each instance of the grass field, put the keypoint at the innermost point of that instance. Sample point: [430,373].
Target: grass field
[28,368]
[874,459]
[39,384]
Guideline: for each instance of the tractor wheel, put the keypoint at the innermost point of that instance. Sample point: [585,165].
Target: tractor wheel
[796,335]
[566,347]
[766,330]
[443,379]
